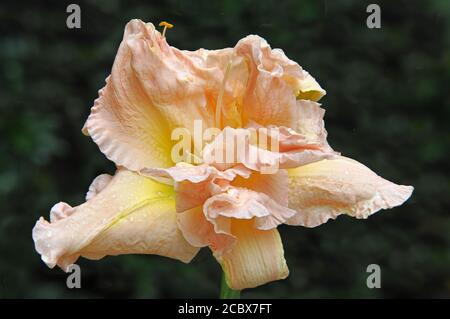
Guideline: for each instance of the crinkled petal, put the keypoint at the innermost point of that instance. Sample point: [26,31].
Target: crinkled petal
[309,122]
[274,83]
[153,88]
[256,258]
[233,77]
[199,232]
[194,184]
[132,214]
[123,122]
[273,148]
[242,203]
[59,211]
[324,190]
[273,185]
[194,173]
[176,86]
[97,185]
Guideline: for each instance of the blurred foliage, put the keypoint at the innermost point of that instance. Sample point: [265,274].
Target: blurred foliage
[388,106]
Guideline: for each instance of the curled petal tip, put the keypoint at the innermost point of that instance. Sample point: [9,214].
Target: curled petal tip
[326,189]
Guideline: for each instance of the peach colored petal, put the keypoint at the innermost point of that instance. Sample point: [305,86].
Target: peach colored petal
[242,203]
[324,190]
[175,85]
[233,83]
[153,88]
[199,232]
[190,195]
[97,185]
[194,184]
[132,214]
[256,258]
[194,173]
[309,122]
[123,120]
[59,211]
[249,257]
[294,150]
[211,59]
[273,185]
[274,83]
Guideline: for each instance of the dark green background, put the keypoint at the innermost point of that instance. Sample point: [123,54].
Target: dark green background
[387,106]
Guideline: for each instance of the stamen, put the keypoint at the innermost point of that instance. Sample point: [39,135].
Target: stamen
[220,97]
[166,26]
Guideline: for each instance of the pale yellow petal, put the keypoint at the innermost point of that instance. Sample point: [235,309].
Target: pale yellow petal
[326,189]
[147,230]
[132,214]
[256,258]
[308,88]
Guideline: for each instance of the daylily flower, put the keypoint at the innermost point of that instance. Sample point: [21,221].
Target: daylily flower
[153,205]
